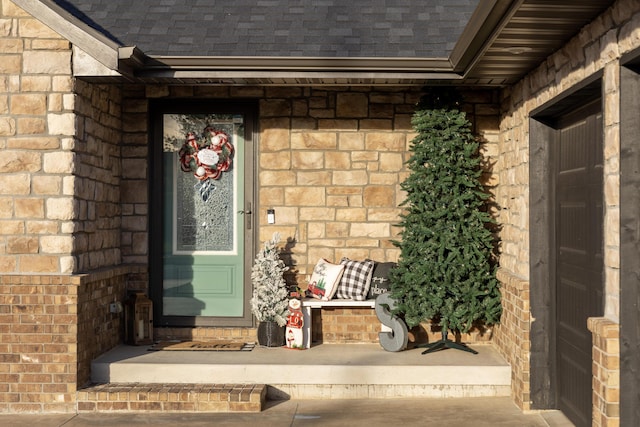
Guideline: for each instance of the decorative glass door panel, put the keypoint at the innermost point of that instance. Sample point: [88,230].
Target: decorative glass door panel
[203,163]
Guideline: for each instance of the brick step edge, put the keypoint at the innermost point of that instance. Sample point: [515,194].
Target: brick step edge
[137,397]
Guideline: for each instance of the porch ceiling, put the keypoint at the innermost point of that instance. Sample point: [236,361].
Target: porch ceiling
[501,42]
[529,32]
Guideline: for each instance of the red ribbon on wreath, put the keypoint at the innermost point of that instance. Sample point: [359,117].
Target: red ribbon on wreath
[210,158]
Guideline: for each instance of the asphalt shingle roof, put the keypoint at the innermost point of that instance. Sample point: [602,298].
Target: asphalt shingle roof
[303,28]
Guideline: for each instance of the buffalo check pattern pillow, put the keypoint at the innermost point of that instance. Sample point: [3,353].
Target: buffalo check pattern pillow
[355,280]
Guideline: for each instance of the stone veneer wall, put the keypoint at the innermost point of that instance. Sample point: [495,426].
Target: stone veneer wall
[597,47]
[330,164]
[134,193]
[96,180]
[331,161]
[60,163]
[36,138]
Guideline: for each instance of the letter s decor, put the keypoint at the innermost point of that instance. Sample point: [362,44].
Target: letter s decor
[397,339]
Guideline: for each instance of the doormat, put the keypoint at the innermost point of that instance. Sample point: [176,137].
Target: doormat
[201,346]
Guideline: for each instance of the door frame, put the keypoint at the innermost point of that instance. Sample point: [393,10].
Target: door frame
[629,239]
[542,254]
[157,108]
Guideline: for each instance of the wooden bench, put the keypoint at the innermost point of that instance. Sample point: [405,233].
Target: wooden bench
[310,303]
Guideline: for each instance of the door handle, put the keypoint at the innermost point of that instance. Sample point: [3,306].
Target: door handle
[248,216]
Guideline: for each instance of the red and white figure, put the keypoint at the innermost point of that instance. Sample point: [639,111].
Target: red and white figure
[295,321]
[208,158]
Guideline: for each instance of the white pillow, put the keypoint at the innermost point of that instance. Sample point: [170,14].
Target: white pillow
[324,280]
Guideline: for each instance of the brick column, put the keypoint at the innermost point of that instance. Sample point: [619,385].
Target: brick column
[606,371]
[512,335]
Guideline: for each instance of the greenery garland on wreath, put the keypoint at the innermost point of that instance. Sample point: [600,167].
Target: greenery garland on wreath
[209,157]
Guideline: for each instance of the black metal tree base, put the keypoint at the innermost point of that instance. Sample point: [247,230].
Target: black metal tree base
[445,343]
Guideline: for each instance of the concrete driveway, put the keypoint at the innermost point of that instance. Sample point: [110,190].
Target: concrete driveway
[477,412]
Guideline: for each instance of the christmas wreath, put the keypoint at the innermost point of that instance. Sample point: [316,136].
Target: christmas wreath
[209,157]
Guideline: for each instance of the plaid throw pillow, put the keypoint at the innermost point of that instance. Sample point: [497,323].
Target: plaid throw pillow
[356,279]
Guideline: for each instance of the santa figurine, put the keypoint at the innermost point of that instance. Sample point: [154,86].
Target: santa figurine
[293,332]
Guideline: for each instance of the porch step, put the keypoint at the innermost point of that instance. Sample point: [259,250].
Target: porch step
[138,397]
[326,371]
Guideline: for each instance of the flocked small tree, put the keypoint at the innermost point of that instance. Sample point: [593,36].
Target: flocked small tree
[270,300]
[446,269]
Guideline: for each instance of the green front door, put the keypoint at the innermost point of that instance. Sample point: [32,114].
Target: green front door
[205,221]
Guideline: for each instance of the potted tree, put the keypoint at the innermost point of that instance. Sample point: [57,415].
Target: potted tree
[270,300]
[446,270]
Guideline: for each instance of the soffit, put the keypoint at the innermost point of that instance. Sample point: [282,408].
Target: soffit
[532,30]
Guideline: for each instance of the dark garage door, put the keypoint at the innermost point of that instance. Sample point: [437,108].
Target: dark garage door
[579,245]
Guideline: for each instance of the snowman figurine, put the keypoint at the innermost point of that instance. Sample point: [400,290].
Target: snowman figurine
[293,332]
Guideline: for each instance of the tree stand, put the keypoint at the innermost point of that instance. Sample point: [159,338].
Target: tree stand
[445,343]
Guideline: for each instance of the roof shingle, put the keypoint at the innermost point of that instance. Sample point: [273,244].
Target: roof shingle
[280,28]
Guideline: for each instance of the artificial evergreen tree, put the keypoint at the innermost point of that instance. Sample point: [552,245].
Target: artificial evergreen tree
[270,301]
[446,269]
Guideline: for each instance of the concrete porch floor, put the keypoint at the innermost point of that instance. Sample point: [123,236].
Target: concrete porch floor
[325,371]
